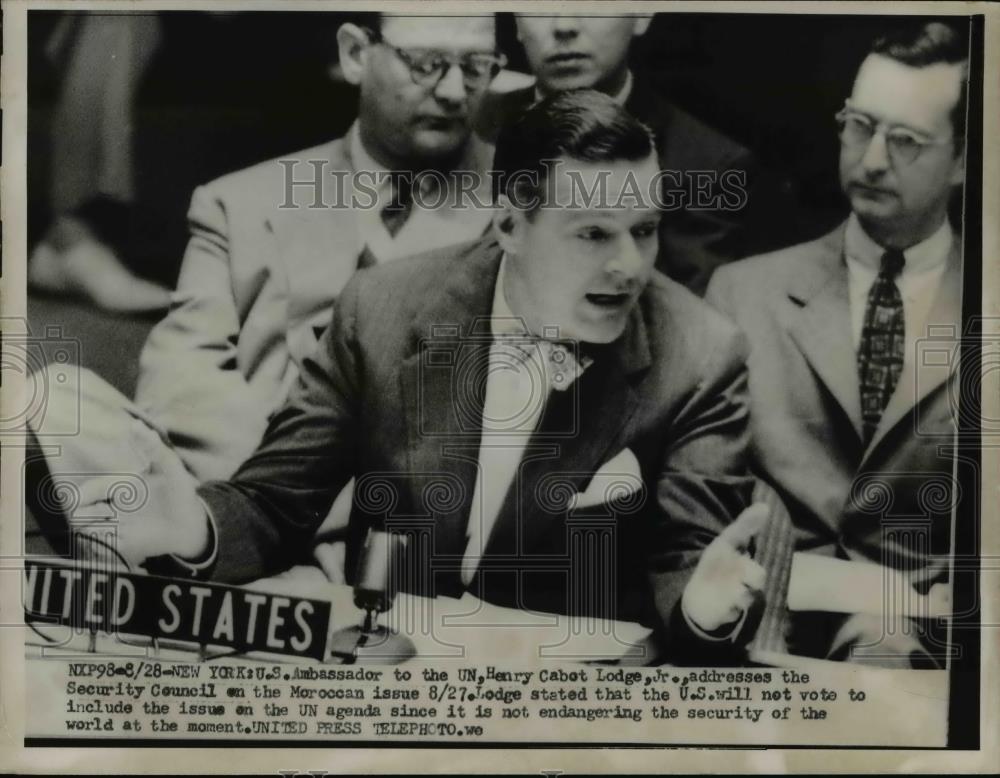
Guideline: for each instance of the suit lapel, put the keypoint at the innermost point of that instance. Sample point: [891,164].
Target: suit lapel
[922,372]
[822,326]
[443,382]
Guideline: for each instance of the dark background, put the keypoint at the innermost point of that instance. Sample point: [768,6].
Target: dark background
[225,90]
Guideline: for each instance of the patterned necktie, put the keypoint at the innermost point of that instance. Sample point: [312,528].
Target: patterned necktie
[882,346]
[396,213]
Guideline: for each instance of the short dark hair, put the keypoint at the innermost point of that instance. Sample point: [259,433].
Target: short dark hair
[582,124]
[926,44]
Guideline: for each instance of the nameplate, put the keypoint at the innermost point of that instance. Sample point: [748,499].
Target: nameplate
[189,611]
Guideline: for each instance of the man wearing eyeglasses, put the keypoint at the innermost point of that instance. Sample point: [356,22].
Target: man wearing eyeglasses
[711,174]
[272,246]
[850,417]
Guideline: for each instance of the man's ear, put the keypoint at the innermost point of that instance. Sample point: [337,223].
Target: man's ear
[508,225]
[641,24]
[352,45]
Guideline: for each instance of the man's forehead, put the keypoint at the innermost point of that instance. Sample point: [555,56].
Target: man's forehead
[441,32]
[896,92]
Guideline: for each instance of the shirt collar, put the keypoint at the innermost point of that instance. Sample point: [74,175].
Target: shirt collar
[503,321]
[626,89]
[620,97]
[930,253]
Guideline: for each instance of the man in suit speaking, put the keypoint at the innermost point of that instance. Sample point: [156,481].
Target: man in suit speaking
[475,392]
[851,422]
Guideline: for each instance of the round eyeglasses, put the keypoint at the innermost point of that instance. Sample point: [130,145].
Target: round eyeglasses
[904,146]
[428,66]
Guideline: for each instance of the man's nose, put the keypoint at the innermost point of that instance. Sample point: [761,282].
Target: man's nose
[876,156]
[565,27]
[628,262]
[451,88]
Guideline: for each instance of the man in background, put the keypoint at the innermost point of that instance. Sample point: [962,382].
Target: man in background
[712,173]
[850,422]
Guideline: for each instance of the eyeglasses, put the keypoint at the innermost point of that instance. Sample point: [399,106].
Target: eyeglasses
[903,145]
[429,66]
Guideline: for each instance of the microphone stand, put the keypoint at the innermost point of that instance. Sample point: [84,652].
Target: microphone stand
[374,593]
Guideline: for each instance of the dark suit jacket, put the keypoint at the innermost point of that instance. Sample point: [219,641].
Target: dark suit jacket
[890,502]
[394,395]
[693,242]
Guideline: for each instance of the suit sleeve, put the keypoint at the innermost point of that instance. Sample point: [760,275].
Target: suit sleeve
[703,484]
[267,514]
[189,376]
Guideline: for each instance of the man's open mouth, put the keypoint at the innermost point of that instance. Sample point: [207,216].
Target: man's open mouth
[609,300]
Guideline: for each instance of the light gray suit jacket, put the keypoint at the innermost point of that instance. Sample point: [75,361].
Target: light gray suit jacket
[888,502]
[256,289]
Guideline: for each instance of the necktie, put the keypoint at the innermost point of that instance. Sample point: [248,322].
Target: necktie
[396,213]
[882,347]
[366,258]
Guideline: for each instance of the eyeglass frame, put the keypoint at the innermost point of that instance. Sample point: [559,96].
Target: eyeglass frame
[887,129]
[406,56]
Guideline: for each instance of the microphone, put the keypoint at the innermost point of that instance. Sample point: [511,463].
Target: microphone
[377,580]
[375,589]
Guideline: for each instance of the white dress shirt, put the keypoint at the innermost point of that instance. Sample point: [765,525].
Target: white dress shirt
[918,282]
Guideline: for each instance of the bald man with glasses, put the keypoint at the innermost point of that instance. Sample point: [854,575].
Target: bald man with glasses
[850,418]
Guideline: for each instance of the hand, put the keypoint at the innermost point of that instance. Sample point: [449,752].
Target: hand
[171,519]
[726,580]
